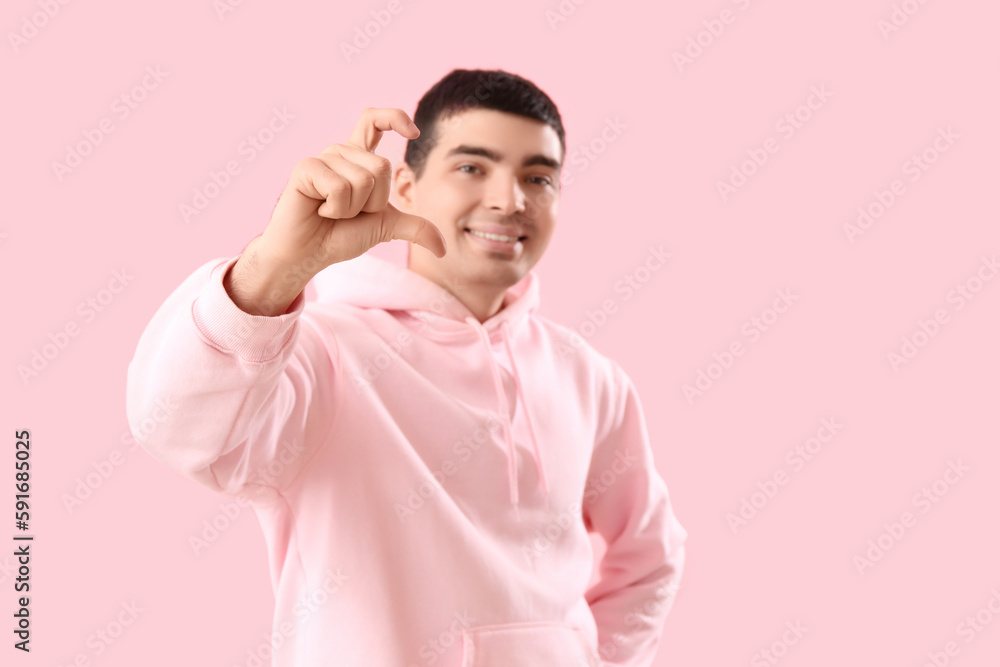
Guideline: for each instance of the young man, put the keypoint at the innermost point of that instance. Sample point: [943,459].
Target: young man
[425,453]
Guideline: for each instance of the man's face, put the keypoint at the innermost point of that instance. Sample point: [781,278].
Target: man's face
[491,185]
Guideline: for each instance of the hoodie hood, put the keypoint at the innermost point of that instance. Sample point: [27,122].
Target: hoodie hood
[368,281]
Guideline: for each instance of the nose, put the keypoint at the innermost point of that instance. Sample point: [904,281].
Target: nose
[505,194]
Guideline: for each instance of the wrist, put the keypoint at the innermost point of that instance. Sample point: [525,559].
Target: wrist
[261,285]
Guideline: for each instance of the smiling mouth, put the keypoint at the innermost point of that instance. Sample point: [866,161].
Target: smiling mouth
[496,237]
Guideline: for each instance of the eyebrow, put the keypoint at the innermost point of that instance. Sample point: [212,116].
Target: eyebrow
[489,154]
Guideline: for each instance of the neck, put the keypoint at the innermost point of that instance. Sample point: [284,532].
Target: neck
[483,301]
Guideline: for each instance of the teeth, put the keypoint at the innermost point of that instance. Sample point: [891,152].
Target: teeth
[494,237]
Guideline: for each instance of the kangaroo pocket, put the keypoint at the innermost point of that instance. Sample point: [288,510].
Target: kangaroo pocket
[527,645]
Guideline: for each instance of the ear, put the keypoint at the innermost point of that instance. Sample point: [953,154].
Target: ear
[404,182]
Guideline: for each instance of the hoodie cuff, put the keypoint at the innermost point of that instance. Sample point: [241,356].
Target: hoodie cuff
[254,338]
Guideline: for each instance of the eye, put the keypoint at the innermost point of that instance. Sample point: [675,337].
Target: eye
[540,180]
[470,166]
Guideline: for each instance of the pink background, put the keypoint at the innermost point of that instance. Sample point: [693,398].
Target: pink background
[684,130]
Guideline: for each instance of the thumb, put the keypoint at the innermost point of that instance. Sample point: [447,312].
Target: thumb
[400,225]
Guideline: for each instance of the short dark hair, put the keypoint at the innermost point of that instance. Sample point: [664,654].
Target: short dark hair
[462,90]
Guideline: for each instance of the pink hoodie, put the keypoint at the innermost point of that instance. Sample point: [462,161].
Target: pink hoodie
[425,483]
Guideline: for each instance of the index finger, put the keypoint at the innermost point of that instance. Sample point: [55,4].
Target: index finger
[373,122]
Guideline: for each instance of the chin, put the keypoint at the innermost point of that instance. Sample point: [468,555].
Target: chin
[500,276]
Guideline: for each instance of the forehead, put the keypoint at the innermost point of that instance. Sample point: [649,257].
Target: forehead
[511,135]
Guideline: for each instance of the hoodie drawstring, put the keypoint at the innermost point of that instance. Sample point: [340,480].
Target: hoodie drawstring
[527,416]
[505,411]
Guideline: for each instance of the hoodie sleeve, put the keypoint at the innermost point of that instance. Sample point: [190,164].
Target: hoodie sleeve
[234,401]
[627,503]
